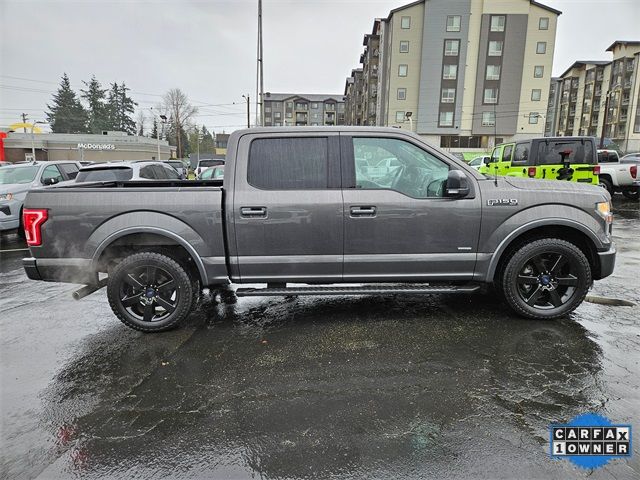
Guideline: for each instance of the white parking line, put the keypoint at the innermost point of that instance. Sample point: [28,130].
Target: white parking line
[15,250]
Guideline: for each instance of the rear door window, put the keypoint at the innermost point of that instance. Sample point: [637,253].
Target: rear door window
[70,169]
[573,151]
[289,163]
[148,172]
[521,154]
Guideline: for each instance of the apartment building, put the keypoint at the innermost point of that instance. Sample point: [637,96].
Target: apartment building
[462,74]
[602,94]
[292,109]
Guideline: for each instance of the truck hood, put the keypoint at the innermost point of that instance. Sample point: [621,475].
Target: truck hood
[15,188]
[535,184]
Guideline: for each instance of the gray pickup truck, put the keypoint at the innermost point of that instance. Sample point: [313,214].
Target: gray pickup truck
[323,211]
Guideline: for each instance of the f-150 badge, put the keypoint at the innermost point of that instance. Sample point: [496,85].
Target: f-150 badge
[508,202]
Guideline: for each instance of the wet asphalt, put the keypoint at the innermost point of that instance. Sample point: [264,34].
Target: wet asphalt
[315,387]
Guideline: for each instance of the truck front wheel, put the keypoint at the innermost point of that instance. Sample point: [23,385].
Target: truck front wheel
[150,292]
[546,279]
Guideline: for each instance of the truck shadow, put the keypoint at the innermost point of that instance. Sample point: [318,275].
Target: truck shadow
[321,386]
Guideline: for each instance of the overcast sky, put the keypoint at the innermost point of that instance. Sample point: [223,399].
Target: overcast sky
[207,48]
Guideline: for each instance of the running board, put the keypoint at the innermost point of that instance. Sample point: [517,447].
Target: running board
[359,290]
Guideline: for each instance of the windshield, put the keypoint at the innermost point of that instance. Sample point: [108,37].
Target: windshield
[105,174]
[21,174]
[210,163]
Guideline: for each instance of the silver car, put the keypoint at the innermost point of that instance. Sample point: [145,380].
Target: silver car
[17,179]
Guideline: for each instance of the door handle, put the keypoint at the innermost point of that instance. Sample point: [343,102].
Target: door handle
[363,211]
[253,211]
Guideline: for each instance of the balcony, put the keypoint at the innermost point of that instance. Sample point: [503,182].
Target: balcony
[627,84]
[574,98]
[630,67]
[625,101]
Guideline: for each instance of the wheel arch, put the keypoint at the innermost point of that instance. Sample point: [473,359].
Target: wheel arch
[564,229]
[147,238]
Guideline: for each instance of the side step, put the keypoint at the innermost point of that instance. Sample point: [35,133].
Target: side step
[357,290]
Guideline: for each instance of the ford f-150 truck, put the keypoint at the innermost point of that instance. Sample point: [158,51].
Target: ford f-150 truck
[308,211]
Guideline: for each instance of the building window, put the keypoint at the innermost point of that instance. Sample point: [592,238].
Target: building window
[277,115]
[405,23]
[543,23]
[301,106]
[497,23]
[451,48]
[493,72]
[446,119]
[289,105]
[488,119]
[449,72]
[289,115]
[490,95]
[267,109]
[402,70]
[314,106]
[538,71]
[399,117]
[541,47]
[453,23]
[330,107]
[402,94]
[533,118]
[448,95]
[495,48]
[536,94]
[404,46]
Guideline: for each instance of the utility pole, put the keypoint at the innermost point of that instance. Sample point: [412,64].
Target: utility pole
[248,99]
[260,73]
[24,120]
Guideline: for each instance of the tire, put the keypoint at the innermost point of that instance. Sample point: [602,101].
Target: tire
[632,193]
[546,279]
[150,292]
[606,183]
[20,231]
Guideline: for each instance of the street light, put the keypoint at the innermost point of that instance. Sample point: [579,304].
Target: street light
[33,146]
[163,120]
[248,99]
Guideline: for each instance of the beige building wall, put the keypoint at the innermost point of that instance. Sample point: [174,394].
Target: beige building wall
[412,59]
[532,59]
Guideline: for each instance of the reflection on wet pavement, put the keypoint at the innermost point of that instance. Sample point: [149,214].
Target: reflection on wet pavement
[383,387]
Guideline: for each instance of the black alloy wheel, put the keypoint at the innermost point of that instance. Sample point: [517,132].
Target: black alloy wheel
[150,292]
[546,279]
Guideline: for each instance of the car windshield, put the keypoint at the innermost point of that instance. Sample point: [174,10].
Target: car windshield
[209,163]
[105,174]
[18,174]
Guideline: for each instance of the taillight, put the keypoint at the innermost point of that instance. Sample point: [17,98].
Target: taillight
[32,219]
[596,170]
[634,171]
[532,172]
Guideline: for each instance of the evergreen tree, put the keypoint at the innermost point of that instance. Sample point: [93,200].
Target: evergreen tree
[154,131]
[120,109]
[97,111]
[207,144]
[66,114]
[113,107]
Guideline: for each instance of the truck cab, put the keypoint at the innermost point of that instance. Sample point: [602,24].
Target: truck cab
[571,159]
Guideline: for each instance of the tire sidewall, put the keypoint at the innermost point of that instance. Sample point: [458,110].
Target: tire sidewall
[523,255]
[181,277]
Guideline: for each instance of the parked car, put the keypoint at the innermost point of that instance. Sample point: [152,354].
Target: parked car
[202,164]
[477,162]
[631,158]
[180,168]
[572,159]
[294,209]
[619,176]
[212,173]
[123,171]
[17,179]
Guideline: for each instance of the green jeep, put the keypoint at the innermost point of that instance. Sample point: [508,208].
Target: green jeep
[574,159]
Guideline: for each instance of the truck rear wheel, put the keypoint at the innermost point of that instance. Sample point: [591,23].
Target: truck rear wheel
[546,279]
[150,292]
[632,193]
[607,184]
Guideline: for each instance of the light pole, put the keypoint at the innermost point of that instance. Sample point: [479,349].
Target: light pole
[606,112]
[163,119]
[248,99]
[33,145]
[408,115]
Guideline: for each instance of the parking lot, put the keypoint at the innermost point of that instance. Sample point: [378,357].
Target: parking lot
[311,387]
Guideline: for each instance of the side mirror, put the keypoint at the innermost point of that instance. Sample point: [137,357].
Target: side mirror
[50,181]
[487,160]
[457,184]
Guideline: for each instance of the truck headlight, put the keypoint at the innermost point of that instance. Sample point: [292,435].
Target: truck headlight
[604,210]
[6,196]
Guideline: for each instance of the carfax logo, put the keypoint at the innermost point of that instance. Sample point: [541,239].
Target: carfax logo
[590,440]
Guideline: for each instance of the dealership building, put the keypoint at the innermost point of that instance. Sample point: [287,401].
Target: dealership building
[105,147]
